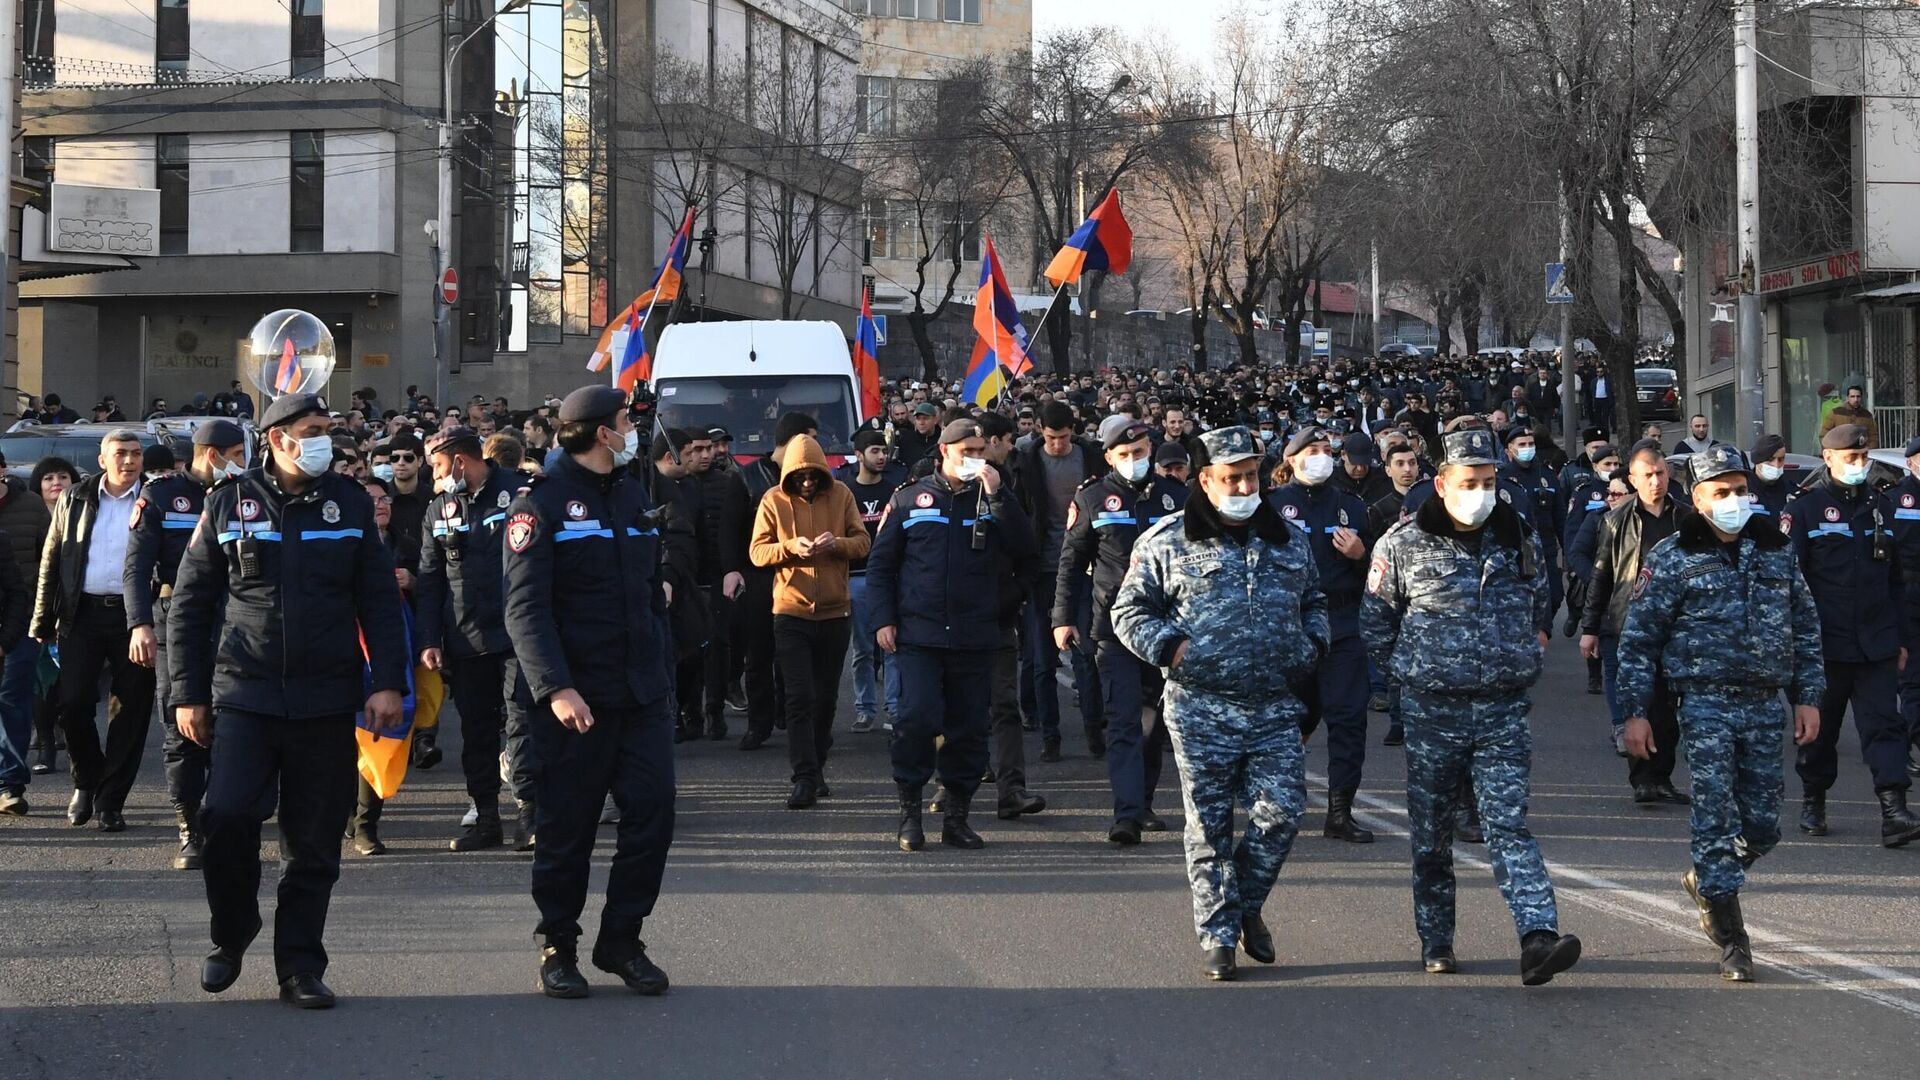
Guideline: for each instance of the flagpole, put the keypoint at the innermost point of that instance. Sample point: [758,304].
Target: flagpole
[1047,314]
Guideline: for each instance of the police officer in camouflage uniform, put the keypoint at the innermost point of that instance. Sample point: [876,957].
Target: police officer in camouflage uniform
[1457,610]
[1225,596]
[1722,609]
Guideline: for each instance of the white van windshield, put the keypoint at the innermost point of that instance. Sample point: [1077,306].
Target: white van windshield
[748,406]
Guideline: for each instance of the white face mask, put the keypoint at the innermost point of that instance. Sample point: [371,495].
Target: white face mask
[1315,468]
[383,471]
[1236,507]
[1730,514]
[625,454]
[1135,470]
[1769,472]
[452,485]
[228,470]
[1851,475]
[970,468]
[1471,508]
[316,455]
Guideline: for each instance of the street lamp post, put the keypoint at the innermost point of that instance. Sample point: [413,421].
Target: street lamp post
[443,221]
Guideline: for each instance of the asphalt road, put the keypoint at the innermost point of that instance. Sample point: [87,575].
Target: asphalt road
[805,944]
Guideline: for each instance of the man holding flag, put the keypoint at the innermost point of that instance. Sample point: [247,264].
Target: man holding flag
[624,341]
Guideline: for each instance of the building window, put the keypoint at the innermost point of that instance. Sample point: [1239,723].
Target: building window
[36,41]
[171,40]
[171,165]
[955,11]
[309,38]
[875,103]
[309,209]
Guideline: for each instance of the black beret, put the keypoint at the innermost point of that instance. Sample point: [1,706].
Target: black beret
[1171,453]
[219,434]
[1122,434]
[1766,446]
[959,431]
[1846,437]
[591,403]
[290,407]
[1306,437]
[454,439]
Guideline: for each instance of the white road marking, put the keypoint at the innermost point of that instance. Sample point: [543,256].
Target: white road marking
[1679,920]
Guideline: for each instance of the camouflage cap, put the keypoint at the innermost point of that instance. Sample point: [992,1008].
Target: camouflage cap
[1715,461]
[1224,446]
[1474,446]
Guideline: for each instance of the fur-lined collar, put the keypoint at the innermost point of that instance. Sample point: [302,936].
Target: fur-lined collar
[1506,526]
[1203,521]
[1696,534]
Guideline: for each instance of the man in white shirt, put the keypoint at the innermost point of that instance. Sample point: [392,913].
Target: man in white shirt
[79,603]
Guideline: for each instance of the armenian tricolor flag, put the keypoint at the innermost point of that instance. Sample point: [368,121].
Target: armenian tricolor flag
[624,342]
[287,375]
[1102,242]
[866,358]
[1002,337]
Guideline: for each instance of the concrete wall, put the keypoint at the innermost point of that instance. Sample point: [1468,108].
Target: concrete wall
[238,194]
[108,32]
[360,191]
[107,161]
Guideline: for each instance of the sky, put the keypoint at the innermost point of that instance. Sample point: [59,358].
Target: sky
[1190,30]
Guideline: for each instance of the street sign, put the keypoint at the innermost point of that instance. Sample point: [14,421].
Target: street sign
[1323,343]
[449,286]
[880,329]
[1557,290]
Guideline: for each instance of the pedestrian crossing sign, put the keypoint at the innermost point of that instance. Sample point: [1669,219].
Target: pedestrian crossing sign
[1557,290]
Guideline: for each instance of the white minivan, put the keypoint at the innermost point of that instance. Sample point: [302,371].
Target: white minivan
[743,375]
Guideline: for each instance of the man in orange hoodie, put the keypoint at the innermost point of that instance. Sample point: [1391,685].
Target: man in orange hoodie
[807,531]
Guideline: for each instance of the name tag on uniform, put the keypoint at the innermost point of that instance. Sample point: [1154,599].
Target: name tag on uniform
[587,523]
[930,512]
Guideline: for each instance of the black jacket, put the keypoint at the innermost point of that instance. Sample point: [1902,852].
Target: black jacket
[583,596]
[457,593]
[1617,558]
[1849,552]
[289,639]
[63,560]
[924,574]
[16,603]
[1108,515]
[726,517]
[24,517]
[1030,478]
[163,521]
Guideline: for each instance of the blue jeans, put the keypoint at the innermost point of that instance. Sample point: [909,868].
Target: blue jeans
[1039,659]
[868,658]
[16,713]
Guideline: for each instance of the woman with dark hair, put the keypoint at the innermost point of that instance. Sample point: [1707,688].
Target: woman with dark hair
[50,477]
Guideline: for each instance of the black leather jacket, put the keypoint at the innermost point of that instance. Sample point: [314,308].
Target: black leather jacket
[1616,564]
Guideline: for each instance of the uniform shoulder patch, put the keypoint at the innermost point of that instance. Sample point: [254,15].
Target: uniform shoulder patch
[1640,583]
[139,507]
[1073,514]
[504,500]
[1786,523]
[1112,502]
[923,500]
[1833,513]
[521,529]
[1376,574]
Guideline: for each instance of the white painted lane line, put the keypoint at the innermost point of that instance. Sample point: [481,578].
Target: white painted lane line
[1678,920]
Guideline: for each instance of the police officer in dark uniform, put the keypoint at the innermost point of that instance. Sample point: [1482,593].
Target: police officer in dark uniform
[1842,531]
[1771,487]
[1107,515]
[462,628]
[1906,532]
[284,578]
[1548,512]
[934,577]
[583,597]
[1335,523]
[163,521]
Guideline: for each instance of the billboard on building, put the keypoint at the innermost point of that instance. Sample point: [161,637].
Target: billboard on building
[85,219]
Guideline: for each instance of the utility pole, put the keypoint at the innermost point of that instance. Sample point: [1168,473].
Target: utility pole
[1569,400]
[1750,404]
[1373,258]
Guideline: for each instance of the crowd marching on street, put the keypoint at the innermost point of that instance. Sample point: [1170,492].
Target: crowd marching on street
[1221,564]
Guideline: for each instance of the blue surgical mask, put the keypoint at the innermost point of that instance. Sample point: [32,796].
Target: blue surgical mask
[1730,514]
[1851,475]
[316,455]
[1237,507]
[383,471]
[1524,455]
[1135,470]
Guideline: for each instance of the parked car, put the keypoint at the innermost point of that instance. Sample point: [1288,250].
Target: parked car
[1658,391]
[1400,349]
[1147,313]
[78,443]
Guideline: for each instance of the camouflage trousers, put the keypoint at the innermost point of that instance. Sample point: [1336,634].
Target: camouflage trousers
[1230,753]
[1732,738]
[1451,740]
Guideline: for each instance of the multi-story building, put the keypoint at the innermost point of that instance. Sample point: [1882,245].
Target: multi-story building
[909,45]
[1839,230]
[284,153]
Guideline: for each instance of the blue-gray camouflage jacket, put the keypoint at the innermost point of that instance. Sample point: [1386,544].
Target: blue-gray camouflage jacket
[1706,622]
[1253,616]
[1447,620]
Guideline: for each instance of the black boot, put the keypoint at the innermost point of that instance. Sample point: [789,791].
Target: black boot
[1396,735]
[481,835]
[1813,813]
[805,794]
[426,754]
[1340,825]
[1438,960]
[366,839]
[912,837]
[1544,954]
[626,956]
[189,857]
[1729,931]
[954,830]
[1691,883]
[560,973]
[523,828]
[1219,965]
[1898,826]
[1257,939]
